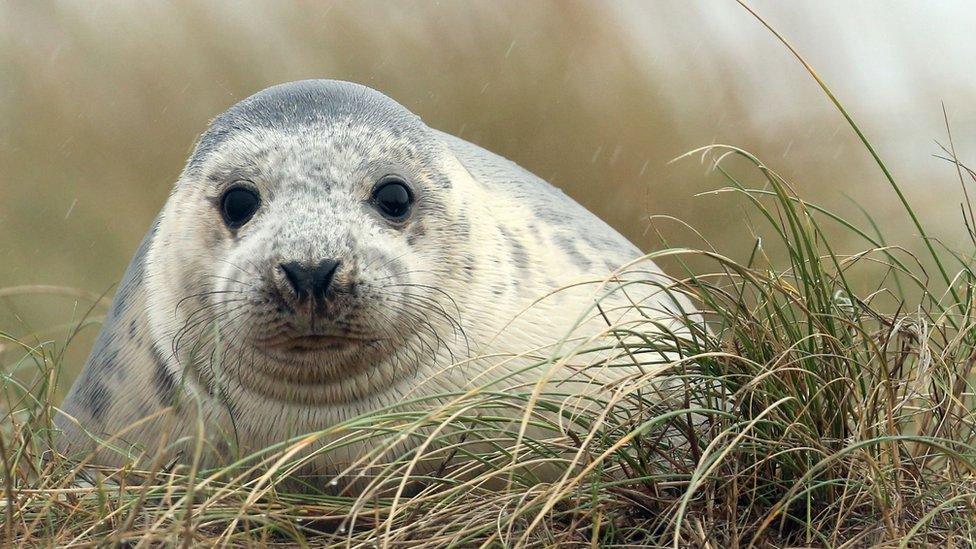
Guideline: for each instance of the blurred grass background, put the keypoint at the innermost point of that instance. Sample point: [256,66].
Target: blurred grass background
[101,102]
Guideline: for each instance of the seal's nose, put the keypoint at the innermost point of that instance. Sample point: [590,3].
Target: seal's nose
[308,279]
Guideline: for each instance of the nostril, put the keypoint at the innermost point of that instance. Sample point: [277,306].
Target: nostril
[323,275]
[298,276]
[305,279]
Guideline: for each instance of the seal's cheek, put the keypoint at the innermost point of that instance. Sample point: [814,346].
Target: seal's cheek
[416,232]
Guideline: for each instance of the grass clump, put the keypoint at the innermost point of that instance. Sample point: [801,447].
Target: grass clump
[813,410]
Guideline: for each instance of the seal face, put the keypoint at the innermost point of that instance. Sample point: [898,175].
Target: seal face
[324,253]
[310,200]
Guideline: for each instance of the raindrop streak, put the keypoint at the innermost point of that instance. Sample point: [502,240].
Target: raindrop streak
[596,154]
[510,47]
[643,168]
[71,208]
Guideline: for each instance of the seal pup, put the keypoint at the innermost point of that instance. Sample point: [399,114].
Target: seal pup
[325,254]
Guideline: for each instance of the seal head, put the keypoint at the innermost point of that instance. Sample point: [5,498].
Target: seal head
[311,201]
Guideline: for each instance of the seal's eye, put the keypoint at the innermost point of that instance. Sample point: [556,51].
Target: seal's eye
[238,205]
[393,198]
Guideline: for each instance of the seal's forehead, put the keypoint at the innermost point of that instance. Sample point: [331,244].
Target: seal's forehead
[305,103]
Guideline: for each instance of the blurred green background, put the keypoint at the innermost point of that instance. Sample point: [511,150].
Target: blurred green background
[100,103]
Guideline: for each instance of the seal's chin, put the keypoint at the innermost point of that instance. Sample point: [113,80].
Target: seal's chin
[307,366]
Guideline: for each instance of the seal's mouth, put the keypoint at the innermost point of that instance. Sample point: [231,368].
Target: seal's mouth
[312,342]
